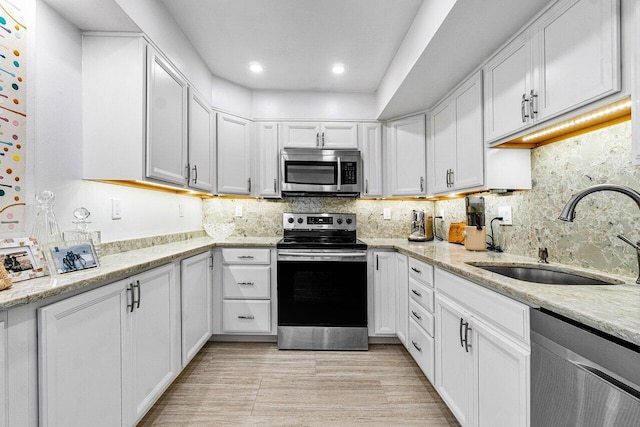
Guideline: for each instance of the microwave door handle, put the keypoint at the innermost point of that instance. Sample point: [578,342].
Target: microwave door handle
[339,174]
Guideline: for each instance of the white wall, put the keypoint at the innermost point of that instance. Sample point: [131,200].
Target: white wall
[278,105]
[54,160]
[158,24]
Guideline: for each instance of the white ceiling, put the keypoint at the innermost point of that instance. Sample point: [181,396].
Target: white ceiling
[297,41]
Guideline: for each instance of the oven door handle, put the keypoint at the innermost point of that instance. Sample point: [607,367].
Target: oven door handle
[313,256]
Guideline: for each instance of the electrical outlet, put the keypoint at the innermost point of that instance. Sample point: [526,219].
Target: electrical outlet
[116,209]
[386,213]
[505,213]
[180,210]
[238,211]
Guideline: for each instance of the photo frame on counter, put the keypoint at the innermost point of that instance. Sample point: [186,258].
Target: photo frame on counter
[22,258]
[70,256]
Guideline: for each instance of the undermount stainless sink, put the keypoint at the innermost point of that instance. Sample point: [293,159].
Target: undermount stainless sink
[544,274]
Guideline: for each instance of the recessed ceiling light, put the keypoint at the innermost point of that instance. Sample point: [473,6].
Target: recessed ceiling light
[338,69]
[256,67]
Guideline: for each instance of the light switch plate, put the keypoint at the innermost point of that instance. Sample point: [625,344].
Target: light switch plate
[180,210]
[116,209]
[505,213]
[386,213]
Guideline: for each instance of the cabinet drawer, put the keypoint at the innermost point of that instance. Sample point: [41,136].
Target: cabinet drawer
[501,311]
[421,294]
[421,347]
[245,256]
[421,316]
[246,281]
[246,316]
[421,272]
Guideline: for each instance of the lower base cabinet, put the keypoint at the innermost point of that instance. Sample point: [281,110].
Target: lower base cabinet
[106,355]
[196,296]
[422,348]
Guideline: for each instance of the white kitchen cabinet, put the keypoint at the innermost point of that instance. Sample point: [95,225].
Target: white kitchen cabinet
[407,160]
[456,147]
[329,135]
[384,294]
[155,336]
[526,82]
[482,353]
[196,301]
[420,341]
[202,143]
[106,355]
[234,155]
[371,149]
[82,350]
[166,121]
[402,298]
[267,160]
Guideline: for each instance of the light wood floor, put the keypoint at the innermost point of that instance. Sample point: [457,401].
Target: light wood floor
[239,384]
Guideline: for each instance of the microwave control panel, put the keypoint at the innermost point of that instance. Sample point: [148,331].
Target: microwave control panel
[349,173]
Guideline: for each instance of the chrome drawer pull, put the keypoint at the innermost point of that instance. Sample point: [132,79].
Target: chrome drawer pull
[416,315]
[246,283]
[416,292]
[416,346]
[249,317]
[416,270]
[245,257]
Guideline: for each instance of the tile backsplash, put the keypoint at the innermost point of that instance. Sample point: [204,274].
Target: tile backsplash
[558,170]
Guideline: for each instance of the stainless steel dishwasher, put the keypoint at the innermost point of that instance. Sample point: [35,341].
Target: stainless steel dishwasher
[580,377]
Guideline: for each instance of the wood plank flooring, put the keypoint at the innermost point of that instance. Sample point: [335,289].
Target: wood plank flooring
[255,384]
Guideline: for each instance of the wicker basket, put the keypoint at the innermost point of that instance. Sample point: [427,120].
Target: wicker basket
[5,280]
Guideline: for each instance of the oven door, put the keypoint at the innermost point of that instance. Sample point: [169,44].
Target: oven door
[319,287]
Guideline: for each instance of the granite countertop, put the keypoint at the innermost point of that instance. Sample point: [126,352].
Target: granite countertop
[614,309]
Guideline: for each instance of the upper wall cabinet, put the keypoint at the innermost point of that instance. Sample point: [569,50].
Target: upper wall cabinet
[234,155]
[371,146]
[455,146]
[567,58]
[267,159]
[319,135]
[148,130]
[407,160]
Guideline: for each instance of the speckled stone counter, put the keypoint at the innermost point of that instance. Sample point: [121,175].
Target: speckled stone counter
[614,309]
[118,266]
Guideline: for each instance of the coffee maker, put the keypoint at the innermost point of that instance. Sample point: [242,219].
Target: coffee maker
[421,227]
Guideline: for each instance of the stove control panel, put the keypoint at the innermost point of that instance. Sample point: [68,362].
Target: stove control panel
[319,221]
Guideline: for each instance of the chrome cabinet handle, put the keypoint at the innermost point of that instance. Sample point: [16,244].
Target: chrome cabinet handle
[322,139]
[377,263]
[249,185]
[416,315]
[532,109]
[275,185]
[416,346]
[422,183]
[448,182]
[318,139]
[416,270]
[461,340]
[137,285]
[195,173]
[522,107]
[249,317]
[466,337]
[366,186]
[187,169]
[416,292]
[130,289]
[210,262]
[246,283]
[452,177]
[245,257]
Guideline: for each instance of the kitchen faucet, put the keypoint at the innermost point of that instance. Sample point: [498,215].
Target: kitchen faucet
[569,211]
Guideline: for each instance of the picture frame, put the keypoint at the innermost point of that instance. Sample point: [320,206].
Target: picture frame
[22,258]
[71,256]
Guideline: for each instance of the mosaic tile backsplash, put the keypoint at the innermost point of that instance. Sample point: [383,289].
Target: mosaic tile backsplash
[558,170]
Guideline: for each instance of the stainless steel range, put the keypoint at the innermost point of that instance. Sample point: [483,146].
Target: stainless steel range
[322,283]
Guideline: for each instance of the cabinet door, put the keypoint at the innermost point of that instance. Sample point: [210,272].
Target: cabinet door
[442,147]
[402,300]
[154,337]
[454,368]
[501,380]
[371,134]
[384,293]
[4,369]
[234,155]
[196,303]
[81,352]
[166,121]
[202,148]
[300,135]
[469,155]
[268,159]
[407,156]
[339,135]
[578,43]
[507,80]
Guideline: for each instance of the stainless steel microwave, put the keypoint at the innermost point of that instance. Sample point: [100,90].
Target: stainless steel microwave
[314,172]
